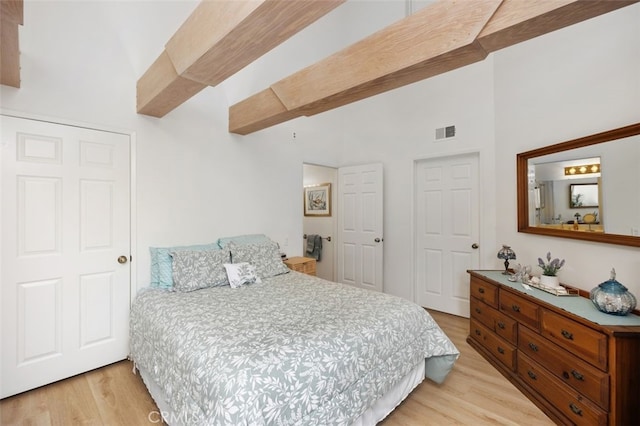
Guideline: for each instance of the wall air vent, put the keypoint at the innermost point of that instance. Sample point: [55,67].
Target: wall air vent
[445,132]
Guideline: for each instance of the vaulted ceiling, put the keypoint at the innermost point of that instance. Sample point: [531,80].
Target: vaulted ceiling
[441,37]
[221,37]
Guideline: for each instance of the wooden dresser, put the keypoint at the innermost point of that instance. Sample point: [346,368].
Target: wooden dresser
[579,365]
[306,265]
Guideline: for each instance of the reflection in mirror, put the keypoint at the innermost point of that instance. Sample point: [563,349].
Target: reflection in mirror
[583,195]
[588,188]
[560,198]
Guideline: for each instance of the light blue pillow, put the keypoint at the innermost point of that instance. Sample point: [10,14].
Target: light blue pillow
[243,240]
[161,263]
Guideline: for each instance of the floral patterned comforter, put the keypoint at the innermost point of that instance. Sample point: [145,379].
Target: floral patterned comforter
[293,350]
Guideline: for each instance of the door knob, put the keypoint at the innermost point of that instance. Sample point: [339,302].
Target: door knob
[377,240]
[122,259]
[474,246]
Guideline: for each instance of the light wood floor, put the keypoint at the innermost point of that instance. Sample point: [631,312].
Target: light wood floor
[474,393]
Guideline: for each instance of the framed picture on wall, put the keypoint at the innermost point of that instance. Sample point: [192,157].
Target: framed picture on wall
[317,200]
[583,195]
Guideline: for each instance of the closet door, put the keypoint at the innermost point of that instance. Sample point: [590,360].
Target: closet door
[65,251]
[447,224]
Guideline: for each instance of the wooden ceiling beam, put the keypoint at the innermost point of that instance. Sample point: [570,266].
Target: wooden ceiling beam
[434,40]
[518,21]
[439,38]
[242,32]
[217,40]
[11,17]
[161,90]
[262,110]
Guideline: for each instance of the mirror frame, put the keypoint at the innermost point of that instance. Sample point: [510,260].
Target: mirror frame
[522,161]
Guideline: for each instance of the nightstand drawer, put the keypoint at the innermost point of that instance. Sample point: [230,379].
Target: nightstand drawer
[586,379]
[584,342]
[306,265]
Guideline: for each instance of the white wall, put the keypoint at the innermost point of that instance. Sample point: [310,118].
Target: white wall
[575,82]
[398,128]
[196,182]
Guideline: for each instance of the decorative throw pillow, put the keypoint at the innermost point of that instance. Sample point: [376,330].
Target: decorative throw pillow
[193,270]
[241,273]
[264,256]
[161,262]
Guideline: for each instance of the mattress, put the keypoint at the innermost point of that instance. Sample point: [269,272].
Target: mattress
[293,349]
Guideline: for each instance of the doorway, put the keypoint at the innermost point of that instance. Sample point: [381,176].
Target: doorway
[324,226]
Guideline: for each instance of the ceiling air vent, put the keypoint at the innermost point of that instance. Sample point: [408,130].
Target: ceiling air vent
[445,133]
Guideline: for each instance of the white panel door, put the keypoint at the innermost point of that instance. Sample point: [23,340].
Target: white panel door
[360,239]
[447,231]
[65,221]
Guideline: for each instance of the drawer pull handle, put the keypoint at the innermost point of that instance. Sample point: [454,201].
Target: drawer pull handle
[481,290]
[575,409]
[500,350]
[516,308]
[577,375]
[532,375]
[501,325]
[478,311]
[478,332]
[533,346]
[567,335]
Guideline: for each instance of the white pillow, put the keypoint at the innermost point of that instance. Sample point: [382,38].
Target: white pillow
[241,273]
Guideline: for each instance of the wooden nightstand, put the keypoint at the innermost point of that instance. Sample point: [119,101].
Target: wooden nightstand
[306,265]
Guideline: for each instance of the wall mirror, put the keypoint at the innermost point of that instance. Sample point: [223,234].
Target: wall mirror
[585,189]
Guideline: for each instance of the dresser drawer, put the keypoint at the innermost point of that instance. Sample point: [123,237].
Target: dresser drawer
[482,312]
[495,320]
[484,291]
[578,409]
[499,348]
[506,327]
[582,341]
[520,309]
[589,381]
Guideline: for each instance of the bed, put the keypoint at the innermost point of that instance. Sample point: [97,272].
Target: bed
[289,349]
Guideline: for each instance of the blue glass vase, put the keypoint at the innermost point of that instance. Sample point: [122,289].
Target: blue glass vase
[613,298]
